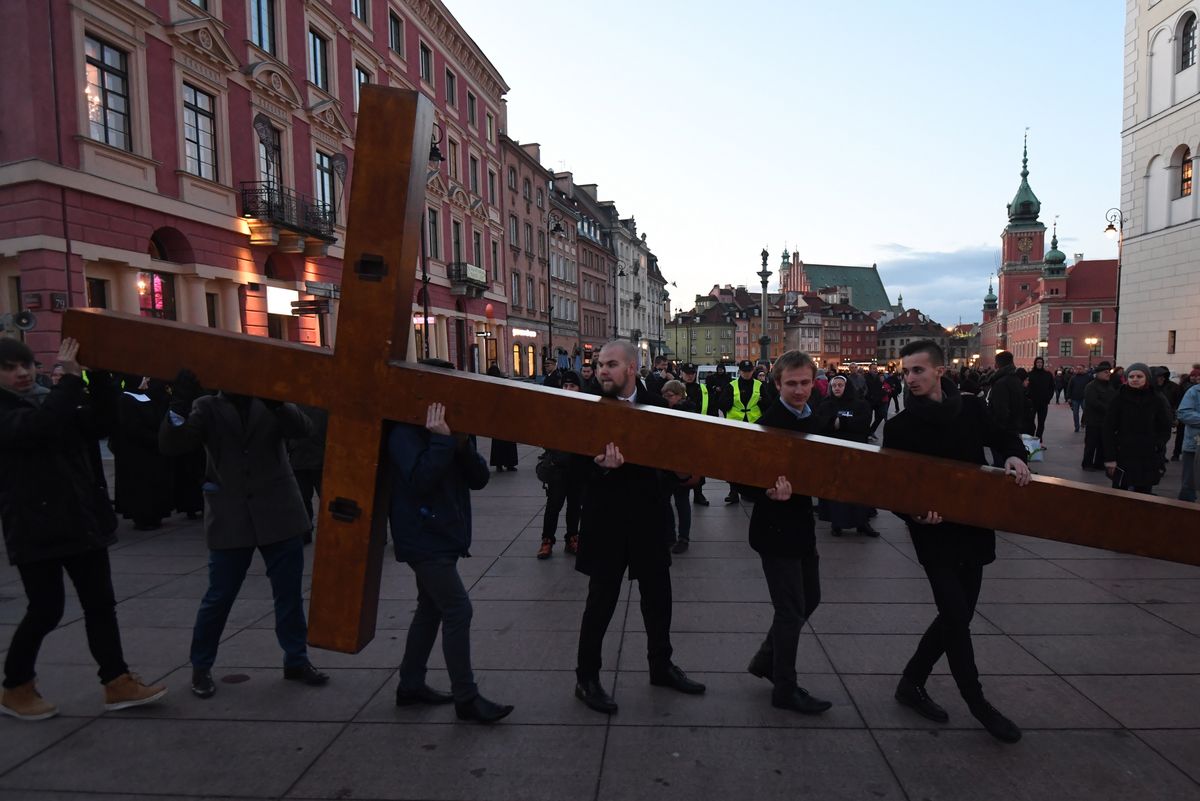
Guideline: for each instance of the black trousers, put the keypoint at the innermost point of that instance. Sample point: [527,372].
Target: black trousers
[603,594]
[682,523]
[881,412]
[1040,411]
[1093,447]
[955,591]
[795,588]
[308,480]
[1179,437]
[562,491]
[44,589]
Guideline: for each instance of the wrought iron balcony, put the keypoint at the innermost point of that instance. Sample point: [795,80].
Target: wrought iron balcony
[268,202]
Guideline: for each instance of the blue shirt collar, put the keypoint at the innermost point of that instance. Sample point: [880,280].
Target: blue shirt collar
[799,413]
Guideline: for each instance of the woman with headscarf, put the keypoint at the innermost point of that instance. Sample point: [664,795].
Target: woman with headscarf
[1136,429]
[844,415]
[144,476]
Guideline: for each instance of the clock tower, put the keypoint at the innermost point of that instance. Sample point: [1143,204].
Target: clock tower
[1022,243]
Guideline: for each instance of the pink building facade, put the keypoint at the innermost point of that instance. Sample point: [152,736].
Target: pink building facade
[192,161]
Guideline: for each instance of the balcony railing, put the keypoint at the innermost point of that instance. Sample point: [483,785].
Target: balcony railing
[467,279]
[279,205]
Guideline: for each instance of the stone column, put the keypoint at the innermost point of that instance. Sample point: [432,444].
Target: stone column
[231,307]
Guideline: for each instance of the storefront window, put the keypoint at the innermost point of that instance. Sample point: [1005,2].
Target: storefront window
[516,363]
[156,295]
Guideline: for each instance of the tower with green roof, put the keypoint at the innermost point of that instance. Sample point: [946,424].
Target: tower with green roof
[1021,243]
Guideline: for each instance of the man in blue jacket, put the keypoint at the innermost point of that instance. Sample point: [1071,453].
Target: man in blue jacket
[433,472]
[1189,414]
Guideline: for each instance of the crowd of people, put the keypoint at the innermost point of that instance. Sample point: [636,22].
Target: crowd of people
[251,465]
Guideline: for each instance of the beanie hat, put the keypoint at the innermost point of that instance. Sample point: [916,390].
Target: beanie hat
[1140,367]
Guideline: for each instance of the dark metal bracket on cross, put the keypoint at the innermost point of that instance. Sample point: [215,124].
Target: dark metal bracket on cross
[364,383]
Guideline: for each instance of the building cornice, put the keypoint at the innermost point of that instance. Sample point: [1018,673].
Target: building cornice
[438,20]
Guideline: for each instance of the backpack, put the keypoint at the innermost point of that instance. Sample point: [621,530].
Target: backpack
[548,469]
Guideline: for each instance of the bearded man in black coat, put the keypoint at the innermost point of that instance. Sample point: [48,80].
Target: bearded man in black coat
[624,524]
[938,421]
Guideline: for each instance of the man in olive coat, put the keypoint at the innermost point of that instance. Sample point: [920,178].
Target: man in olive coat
[251,501]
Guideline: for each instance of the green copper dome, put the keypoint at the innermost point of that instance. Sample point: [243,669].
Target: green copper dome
[1025,206]
[1054,256]
[990,299]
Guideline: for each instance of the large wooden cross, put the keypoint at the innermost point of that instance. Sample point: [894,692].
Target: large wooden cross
[364,383]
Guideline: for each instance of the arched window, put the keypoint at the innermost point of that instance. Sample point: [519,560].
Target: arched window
[540,200]
[512,178]
[1185,174]
[526,190]
[1187,42]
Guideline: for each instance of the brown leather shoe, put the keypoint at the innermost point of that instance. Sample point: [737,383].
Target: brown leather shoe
[24,702]
[545,549]
[127,690]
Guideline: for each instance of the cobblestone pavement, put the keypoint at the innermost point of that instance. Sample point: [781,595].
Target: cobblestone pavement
[1096,655]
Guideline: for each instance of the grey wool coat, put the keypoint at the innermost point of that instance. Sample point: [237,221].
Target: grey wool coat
[250,495]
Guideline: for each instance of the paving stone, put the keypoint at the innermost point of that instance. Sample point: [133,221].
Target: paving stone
[1026,569]
[181,613]
[717,616]
[732,699]
[1128,568]
[888,653]
[719,653]
[1182,748]
[877,590]
[560,588]
[508,760]
[1035,702]
[1145,702]
[20,742]
[761,763]
[1073,619]
[177,756]
[67,645]
[176,565]
[194,585]
[1044,766]
[1043,591]
[540,698]
[1115,653]
[1153,591]
[1184,616]
[257,647]
[831,618]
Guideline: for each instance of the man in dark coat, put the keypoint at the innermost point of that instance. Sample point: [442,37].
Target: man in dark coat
[782,533]
[434,471]
[875,399]
[704,401]
[56,518]
[1041,391]
[938,421]
[623,525]
[658,376]
[588,384]
[1006,400]
[1099,393]
[1076,391]
[251,502]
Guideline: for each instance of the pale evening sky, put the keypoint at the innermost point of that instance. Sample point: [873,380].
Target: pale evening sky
[863,132]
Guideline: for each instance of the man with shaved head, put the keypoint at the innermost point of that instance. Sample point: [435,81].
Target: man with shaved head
[624,525]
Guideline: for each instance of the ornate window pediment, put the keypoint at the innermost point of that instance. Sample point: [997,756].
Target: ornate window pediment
[327,115]
[202,40]
[434,183]
[273,80]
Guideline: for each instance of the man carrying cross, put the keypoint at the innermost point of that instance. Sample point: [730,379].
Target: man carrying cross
[624,525]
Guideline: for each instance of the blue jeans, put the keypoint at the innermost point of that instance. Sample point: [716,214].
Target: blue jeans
[226,571]
[1187,487]
[1076,407]
[442,602]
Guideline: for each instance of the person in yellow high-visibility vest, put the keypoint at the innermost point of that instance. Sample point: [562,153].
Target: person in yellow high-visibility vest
[744,403]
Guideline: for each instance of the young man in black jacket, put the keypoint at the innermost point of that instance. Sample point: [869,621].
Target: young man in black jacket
[938,421]
[782,532]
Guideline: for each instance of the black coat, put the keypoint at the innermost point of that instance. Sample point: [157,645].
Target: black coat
[1041,386]
[1006,400]
[852,412]
[782,528]
[957,428]
[623,515]
[1096,399]
[1137,425]
[52,504]
[144,477]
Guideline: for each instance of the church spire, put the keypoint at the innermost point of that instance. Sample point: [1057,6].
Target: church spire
[1025,206]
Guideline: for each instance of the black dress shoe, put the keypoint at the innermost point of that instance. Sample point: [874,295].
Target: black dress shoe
[592,693]
[305,673]
[202,683]
[425,695]
[997,725]
[869,530]
[731,498]
[762,667]
[914,697]
[700,500]
[482,710]
[671,676]
[798,700]
[680,547]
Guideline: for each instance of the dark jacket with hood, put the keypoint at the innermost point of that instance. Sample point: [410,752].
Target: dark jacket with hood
[432,476]
[959,427]
[853,412]
[782,528]
[1096,399]
[1006,400]
[1041,386]
[52,504]
[1137,425]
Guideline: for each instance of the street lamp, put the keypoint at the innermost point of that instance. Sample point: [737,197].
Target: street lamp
[1116,230]
[435,158]
[1091,342]
[1042,346]
[553,226]
[764,340]
[618,273]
